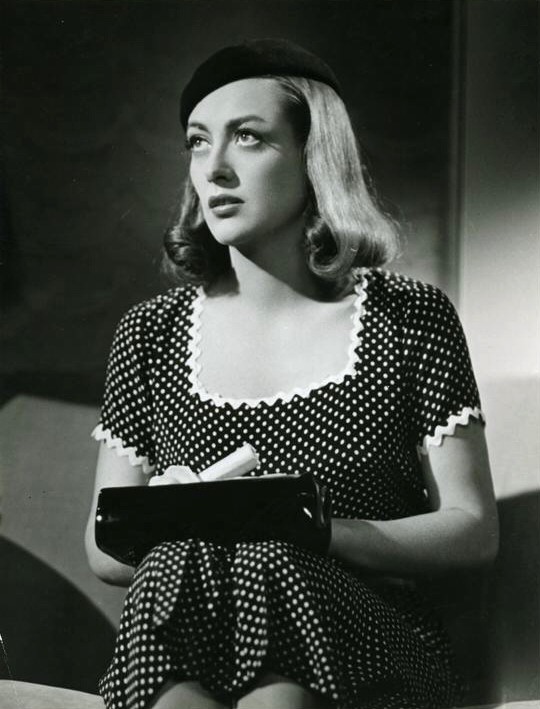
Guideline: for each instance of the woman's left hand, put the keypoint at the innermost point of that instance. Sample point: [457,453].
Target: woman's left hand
[460,531]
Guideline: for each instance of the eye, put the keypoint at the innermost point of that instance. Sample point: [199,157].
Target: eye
[194,143]
[247,137]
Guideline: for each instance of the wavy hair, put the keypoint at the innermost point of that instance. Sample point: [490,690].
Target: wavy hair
[344,227]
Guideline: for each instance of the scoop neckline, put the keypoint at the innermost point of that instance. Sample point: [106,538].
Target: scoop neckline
[194,352]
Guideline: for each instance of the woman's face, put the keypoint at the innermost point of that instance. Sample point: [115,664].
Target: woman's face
[246,163]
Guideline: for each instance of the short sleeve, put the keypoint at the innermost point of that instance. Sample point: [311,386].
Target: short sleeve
[441,386]
[125,423]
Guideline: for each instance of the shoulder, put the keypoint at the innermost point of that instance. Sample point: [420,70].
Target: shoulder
[405,295]
[421,315]
[160,307]
[150,317]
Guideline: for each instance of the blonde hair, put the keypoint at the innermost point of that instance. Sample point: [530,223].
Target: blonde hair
[344,227]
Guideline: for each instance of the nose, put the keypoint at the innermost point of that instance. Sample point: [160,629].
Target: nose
[218,167]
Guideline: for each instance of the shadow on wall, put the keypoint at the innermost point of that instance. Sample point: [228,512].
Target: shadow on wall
[493,615]
[515,612]
[52,633]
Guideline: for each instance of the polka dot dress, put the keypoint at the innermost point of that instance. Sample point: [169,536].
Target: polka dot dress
[225,615]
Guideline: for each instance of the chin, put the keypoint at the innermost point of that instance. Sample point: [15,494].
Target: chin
[231,236]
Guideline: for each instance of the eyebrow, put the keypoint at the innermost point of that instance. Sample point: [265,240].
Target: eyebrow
[233,123]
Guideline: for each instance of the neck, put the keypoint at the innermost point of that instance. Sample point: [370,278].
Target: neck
[273,274]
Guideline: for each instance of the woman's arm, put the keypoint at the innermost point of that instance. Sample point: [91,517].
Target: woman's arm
[462,529]
[112,471]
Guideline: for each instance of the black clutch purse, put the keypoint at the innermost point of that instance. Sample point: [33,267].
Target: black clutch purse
[130,521]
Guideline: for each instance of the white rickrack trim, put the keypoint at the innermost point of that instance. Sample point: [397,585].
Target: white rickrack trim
[103,434]
[194,366]
[461,419]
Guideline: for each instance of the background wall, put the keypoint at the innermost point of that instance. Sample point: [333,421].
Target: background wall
[499,298]
[91,167]
[93,152]
[499,292]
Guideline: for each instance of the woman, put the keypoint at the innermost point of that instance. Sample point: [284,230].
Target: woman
[290,338]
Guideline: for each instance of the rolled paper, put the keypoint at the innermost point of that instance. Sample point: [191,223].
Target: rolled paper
[241,461]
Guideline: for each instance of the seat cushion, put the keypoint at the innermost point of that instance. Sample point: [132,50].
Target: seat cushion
[25,695]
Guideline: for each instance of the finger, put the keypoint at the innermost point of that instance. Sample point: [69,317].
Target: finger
[181,474]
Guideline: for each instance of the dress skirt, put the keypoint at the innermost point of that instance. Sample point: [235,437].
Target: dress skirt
[224,616]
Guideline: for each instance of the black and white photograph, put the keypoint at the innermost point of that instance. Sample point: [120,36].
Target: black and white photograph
[269,354]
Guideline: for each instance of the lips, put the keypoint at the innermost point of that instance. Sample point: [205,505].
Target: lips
[223,200]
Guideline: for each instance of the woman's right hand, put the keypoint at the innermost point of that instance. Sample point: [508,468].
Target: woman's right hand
[112,470]
[174,475]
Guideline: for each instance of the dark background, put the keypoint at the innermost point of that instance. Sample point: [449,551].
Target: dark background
[93,152]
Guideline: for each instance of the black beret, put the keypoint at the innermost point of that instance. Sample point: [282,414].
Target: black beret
[256,57]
